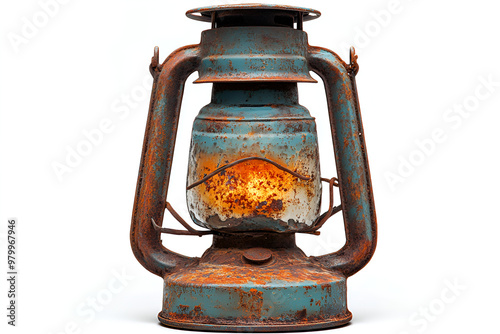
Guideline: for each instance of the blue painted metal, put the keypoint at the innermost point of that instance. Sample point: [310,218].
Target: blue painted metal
[254,57]
[254,54]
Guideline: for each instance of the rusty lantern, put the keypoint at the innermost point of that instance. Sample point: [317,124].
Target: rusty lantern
[253,177]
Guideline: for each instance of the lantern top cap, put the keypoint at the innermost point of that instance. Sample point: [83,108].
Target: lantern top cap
[205,13]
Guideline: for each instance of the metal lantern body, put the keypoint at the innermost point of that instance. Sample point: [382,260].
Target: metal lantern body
[254,178]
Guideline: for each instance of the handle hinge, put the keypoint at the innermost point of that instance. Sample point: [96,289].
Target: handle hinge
[353,66]
[155,67]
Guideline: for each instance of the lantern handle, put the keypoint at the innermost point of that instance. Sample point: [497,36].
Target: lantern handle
[356,195]
[156,160]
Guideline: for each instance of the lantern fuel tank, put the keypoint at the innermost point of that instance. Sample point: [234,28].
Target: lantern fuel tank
[254,177]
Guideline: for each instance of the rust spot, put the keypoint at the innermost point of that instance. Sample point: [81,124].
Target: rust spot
[183,308]
[302,314]
[277,205]
[248,189]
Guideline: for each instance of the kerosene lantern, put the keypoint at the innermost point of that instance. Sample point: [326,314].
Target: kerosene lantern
[253,177]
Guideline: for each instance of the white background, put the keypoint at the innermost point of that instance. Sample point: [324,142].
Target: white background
[420,62]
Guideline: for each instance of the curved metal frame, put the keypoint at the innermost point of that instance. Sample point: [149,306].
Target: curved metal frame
[156,161]
[352,163]
[349,146]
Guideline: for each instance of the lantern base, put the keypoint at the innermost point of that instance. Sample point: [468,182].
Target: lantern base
[272,289]
[264,327]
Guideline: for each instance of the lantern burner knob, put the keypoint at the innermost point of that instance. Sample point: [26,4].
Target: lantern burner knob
[257,255]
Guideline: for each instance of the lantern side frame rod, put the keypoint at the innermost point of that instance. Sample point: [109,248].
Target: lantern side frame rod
[156,160]
[351,160]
